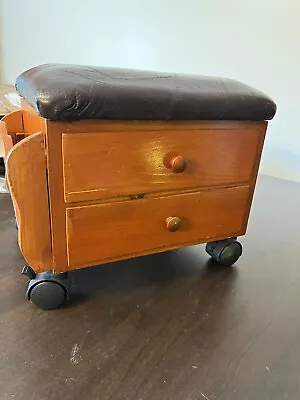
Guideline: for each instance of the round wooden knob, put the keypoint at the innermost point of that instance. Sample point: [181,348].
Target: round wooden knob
[177,164]
[173,223]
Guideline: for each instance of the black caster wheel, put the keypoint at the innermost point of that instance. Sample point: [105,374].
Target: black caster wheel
[46,290]
[225,252]
[47,295]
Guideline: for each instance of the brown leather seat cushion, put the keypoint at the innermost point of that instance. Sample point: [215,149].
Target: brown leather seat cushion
[71,92]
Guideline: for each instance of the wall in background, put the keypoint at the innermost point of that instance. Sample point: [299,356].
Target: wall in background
[253,41]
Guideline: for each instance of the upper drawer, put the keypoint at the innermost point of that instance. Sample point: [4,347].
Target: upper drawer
[108,164]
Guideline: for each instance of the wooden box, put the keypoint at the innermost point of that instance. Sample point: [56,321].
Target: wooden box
[90,192]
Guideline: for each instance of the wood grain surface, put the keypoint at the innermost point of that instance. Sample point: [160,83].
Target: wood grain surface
[136,227]
[27,183]
[57,205]
[14,122]
[11,125]
[106,164]
[32,122]
[95,125]
[123,161]
[6,141]
[170,326]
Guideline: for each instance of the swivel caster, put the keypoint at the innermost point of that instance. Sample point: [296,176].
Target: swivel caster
[47,290]
[225,252]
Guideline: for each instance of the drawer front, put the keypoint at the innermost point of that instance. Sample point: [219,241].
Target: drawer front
[108,164]
[110,230]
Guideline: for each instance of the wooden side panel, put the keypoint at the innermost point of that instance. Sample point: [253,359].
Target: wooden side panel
[256,165]
[5,139]
[14,122]
[110,231]
[27,181]
[31,120]
[106,164]
[14,126]
[56,196]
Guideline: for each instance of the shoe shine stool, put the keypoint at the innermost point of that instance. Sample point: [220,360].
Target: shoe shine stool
[106,164]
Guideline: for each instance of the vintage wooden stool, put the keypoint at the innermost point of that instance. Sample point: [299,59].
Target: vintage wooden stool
[105,164]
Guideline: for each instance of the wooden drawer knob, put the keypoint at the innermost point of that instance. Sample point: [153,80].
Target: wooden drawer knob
[173,223]
[177,164]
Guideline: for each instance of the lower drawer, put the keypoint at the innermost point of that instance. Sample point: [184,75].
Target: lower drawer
[114,230]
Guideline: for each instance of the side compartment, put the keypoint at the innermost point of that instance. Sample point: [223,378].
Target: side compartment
[11,130]
[27,181]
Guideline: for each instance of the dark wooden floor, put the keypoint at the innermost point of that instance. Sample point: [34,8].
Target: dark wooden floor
[164,327]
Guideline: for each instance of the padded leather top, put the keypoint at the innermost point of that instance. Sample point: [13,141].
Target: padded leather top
[71,92]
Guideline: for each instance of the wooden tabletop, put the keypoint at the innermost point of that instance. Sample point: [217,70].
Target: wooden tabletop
[5,106]
[171,326]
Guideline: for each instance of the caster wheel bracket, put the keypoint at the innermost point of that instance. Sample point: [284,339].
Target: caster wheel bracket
[28,271]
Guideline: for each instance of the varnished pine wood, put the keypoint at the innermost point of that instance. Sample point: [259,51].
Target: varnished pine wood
[244,138]
[5,138]
[14,122]
[31,120]
[26,177]
[107,164]
[57,205]
[13,125]
[263,130]
[109,231]
[7,144]
[123,126]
